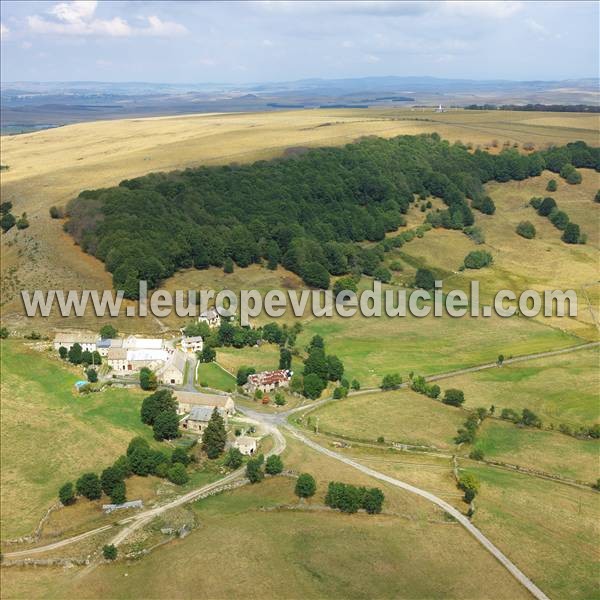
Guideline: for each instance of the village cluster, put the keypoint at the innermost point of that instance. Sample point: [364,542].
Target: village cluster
[169,360]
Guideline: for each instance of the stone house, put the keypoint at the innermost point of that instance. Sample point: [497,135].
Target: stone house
[188,400]
[173,371]
[68,339]
[245,444]
[197,420]
[192,343]
[211,317]
[268,381]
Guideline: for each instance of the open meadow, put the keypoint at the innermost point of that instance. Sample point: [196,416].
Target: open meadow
[315,551]
[51,435]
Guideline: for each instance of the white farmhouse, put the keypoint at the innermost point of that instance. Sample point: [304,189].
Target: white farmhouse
[192,343]
[68,339]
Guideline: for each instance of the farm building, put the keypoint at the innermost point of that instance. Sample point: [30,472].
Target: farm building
[67,340]
[245,444]
[198,418]
[188,400]
[192,343]
[173,370]
[267,381]
[211,317]
[105,344]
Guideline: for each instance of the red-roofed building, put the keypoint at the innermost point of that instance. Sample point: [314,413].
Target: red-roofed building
[267,381]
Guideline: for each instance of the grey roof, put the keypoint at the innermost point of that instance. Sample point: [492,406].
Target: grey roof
[104,343]
[203,413]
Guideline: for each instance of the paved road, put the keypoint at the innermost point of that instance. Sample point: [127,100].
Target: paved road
[464,521]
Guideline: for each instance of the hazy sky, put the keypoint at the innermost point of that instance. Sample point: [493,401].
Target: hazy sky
[277,41]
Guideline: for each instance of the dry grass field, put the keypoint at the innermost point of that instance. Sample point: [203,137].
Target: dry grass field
[51,435]
[404,552]
[51,167]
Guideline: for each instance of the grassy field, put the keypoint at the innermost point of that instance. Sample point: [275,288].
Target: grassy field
[212,376]
[292,553]
[560,389]
[399,416]
[51,435]
[50,167]
[374,347]
[407,417]
[546,451]
[548,529]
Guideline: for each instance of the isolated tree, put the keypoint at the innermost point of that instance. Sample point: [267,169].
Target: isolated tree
[233,458]
[526,229]
[306,486]
[92,375]
[177,474]
[500,360]
[89,485]
[551,185]
[571,234]
[108,332]
[546,207]
[355,385]
[242,374]
[63,352]
[279,399]
[5,207]
[7,222]
[109,552]
[469,484]
[148,379]
[214,436]
[207,355]
[373,500]
[118,493]
[454,397]
[254,471]
[75,354]
[285,359]
[313,386]
[274,465]
[166,425]
[109,478]
[424,279]
[161,401]
[56,213]
[391,381]
[335,368]
[66,494]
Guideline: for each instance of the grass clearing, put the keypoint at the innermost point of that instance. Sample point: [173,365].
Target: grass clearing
[51,435]
[546,451]
[560,389]
[213,376]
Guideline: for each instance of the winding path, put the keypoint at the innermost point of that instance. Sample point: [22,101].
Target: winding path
[464,521]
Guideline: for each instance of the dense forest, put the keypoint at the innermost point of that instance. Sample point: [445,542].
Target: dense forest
[305,211]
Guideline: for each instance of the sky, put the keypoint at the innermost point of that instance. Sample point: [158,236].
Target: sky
[242,42]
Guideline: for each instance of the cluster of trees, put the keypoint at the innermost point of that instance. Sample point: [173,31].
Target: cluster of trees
[349,498]
[148,380]
[591,108]
[255,471]
[547,207]
[159,410]
[467,433]
[76,355]
[319,368]
[527,417]
[454,397]
[478,259]
[306,212]
[469,484]
[8,220]
[139,460]
[582,432]
[421,386]
[391,381]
